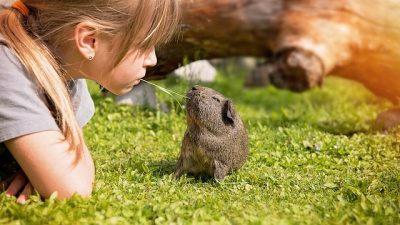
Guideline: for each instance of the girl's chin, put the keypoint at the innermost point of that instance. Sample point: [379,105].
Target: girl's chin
[126,89]
[122,91]
[136,82]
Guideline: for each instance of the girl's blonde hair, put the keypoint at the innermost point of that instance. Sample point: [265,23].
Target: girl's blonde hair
[36,37]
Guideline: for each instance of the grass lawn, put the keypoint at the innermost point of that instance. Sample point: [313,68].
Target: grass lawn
[314,159]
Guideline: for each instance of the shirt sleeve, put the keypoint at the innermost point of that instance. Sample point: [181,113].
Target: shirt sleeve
[23,110]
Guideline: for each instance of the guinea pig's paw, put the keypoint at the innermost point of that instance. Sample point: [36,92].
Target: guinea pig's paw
[221,170]
[178,173]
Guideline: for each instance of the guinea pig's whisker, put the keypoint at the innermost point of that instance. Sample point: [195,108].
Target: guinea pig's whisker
[169,92]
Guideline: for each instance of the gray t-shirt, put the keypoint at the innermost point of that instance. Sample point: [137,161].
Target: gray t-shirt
[24,109]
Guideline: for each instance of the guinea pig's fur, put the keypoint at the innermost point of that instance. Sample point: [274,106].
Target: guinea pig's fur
[215,142]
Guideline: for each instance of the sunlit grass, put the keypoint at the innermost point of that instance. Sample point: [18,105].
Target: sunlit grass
[314,159]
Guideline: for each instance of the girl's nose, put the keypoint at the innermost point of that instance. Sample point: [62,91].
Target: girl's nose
[151,58]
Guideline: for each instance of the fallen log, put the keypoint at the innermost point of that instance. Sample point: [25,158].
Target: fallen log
[302,40]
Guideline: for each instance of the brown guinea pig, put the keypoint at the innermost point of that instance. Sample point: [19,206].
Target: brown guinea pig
[216,141]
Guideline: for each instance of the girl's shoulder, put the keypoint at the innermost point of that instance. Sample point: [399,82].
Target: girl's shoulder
[23,107]
[12,72]
[8,59]
[19,91]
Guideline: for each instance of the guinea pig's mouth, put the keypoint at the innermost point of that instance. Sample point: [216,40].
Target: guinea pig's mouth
[190,94]
[195,100]
[196,96]
[196,89]
[193,94]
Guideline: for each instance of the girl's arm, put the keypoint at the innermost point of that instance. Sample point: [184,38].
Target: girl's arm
[50,166]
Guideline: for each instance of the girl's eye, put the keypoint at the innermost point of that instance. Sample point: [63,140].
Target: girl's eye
[216,98]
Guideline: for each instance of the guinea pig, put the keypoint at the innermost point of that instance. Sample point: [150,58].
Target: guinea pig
[216,141]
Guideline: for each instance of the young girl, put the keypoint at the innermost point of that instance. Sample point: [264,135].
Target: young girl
[47,50]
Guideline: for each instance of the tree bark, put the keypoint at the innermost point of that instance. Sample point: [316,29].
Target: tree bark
[302,40]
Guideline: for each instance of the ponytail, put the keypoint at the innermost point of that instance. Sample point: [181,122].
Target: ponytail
[47,26]
[46,71]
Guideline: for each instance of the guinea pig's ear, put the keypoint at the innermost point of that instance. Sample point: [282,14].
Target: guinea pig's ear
[229,111]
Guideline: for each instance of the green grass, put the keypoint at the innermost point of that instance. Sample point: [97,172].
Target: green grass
[314,159]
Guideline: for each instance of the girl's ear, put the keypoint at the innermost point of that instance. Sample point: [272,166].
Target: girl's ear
[229,112]
[85,35]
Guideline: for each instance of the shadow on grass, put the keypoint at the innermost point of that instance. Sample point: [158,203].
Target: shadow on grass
[161,168]
[167,168]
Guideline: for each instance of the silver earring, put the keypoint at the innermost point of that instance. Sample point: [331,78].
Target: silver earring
[91,57]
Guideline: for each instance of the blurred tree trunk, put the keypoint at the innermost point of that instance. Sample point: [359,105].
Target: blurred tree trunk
[303,40]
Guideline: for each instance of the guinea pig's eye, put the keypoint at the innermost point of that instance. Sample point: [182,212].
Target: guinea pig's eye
[217,99]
